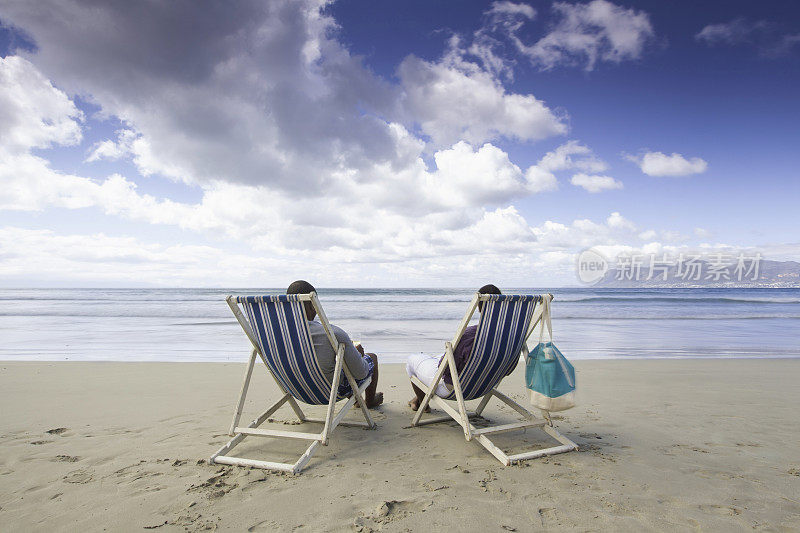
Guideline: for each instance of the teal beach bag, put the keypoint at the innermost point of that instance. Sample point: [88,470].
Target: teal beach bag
[550,378]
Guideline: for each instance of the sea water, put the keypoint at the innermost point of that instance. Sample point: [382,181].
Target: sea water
[197,325]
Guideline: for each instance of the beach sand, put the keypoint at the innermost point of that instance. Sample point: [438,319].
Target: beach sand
[665,445]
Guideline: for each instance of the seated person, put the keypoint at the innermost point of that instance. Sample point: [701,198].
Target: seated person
[424,367]
[360,365]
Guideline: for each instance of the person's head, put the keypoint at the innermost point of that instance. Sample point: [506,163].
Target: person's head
[303,287]
[487,289]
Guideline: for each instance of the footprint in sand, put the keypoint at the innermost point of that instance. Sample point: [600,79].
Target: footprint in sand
[79,477]
[66,459]
[216,486]
[387,512]
[721,510]
[264,525]
[548,516]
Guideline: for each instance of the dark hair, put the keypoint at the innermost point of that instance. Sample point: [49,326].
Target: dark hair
[487,289]
[300,287]
[303,287]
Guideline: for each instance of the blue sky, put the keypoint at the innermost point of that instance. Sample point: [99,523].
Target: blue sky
[371,143]
[728,104]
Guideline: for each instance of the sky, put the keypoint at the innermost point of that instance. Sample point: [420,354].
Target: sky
[365,143]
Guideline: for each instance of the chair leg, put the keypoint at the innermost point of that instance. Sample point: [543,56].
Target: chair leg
[231,444]
[484,402]
[337,374]
[482,434]
[237,414]
[358,394]
[296,408]
[221,456]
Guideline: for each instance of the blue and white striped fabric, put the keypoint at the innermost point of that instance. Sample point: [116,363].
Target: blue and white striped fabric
[498,342]
[281,329]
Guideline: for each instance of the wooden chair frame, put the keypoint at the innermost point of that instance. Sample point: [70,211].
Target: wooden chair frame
[330,421]
[461,416]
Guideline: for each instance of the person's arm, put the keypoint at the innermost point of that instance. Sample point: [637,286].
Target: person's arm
[463,349]
[352,358]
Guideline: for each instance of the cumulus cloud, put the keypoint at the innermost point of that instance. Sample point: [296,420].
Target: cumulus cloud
[540,180]
[34,114]
[301,153]
[99,259]
[268,219]
[546,250]
[258,94]
[616,221]
[573,155]
[595,183]
[438,93]
[661,164]
[264,95]
[113,150]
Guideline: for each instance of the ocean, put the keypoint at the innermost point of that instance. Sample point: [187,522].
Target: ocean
[197,325]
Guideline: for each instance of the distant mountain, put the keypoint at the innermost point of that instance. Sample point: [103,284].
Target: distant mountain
[779,274]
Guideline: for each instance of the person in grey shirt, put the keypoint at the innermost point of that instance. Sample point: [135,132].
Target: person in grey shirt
[361,365]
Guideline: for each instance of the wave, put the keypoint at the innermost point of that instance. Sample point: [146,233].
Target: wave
[673,299]
[432,299]
[217,320]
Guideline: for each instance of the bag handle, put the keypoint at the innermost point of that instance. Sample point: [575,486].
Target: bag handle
[545,320]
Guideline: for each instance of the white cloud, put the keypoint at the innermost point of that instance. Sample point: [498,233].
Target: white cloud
[702,233]
[113,150]
[579,34]
[99,259]
[595,184]
[338,227]
[33,113]
[423,209]
[588,34]
[661,164]
[430,252]
[465,177]
[766,37]
[617,221]
[540,180]
[302,155]
[736,31]
[268,97]
[572,155]
[453,99]
[505,8]
[262,94]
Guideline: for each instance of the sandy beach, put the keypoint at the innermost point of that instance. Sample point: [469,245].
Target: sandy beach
[665,445]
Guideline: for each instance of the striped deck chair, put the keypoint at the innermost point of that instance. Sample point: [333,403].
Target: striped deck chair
[278,329]
[505,324]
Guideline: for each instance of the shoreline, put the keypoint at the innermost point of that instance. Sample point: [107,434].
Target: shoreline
[631,358]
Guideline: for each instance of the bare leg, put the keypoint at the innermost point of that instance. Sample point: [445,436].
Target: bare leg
[373,398]
[415,402]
